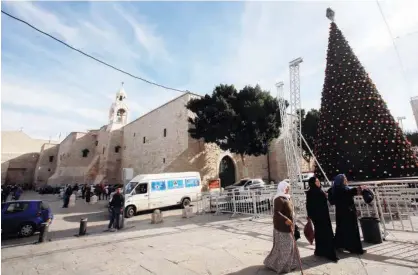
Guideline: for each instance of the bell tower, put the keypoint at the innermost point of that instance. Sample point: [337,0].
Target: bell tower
[118,113]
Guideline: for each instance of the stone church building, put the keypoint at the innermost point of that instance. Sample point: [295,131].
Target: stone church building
[156,142]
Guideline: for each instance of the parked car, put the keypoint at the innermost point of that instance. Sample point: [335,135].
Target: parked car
[245,185]
[24,217]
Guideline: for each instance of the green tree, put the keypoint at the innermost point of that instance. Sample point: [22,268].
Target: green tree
[412,138]
[243,122]
[357,135]
[310,122]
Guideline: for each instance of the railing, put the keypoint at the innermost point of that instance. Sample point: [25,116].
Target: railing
[395,203]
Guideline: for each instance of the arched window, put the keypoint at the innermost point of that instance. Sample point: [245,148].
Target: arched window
[85,152]
[120,114]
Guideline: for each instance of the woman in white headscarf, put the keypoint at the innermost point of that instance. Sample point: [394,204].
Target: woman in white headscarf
[283,255]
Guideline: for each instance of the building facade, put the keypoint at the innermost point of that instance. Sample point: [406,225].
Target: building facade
[156,142]
[414,105]
[21,156]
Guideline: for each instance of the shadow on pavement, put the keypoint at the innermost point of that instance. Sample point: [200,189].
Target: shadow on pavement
[253,270]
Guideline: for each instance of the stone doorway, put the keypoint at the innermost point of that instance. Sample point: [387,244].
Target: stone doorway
[227,171]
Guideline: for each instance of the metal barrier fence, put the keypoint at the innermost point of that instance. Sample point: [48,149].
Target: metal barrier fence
[395,204]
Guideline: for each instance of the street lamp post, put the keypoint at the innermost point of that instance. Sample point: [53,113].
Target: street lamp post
[400,118]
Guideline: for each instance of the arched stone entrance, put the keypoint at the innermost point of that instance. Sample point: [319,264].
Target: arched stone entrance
[227,171]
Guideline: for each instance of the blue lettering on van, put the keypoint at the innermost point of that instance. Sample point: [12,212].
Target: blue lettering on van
[175,184]
[192,183]
[158,186]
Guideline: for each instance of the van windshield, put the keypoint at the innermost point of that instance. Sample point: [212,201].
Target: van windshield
[129,187]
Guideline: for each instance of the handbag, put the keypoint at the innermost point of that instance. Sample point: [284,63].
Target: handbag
[309,232]
[368,195]
[296,233]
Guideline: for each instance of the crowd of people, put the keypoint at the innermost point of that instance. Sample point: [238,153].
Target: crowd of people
[102,191]
[10,189]
[284,256]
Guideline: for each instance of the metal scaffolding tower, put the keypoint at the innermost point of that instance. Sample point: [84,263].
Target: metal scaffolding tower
[292,126]
[291,151]
[295,103]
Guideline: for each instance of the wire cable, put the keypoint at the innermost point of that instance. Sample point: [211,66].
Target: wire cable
[394,45]
[90,56]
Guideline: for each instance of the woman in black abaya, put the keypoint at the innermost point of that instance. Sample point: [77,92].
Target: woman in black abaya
[318,213]
[347,235]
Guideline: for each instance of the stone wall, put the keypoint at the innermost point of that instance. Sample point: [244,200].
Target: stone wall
[47,164]
[19,155]
[21,169]
[177,151]
[114,157]
[155,141]
[71,165]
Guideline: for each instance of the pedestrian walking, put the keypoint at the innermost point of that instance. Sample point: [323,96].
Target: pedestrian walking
[116,207]
[318,214]
[107,192]
[17,193]
[67,194]
[283,257]
[88,194]
[83,191]
[347,235]
[5,192]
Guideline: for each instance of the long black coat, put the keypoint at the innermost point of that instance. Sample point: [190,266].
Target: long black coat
[347,235]
[318,212]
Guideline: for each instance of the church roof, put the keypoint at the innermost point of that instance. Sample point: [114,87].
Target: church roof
[19,142]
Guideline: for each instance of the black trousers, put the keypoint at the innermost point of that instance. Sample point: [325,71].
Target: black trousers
[114,218]
[66,202]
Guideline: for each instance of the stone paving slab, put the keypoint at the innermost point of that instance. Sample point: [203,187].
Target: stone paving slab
[201,245]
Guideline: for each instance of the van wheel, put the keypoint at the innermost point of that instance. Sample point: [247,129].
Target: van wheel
[130,211]
[27,230]
[185,202]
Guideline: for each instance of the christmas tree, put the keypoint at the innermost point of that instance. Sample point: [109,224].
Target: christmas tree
[357,135]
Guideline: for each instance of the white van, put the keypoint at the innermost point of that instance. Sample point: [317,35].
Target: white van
[151,191]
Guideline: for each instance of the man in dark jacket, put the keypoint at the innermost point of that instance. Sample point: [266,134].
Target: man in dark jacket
[67,194]
[116,206]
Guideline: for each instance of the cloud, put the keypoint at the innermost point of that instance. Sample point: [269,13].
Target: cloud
[45,77]
[272,34]
[190,46]
[40,126]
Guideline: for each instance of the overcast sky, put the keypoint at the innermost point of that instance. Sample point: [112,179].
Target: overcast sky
[48,88]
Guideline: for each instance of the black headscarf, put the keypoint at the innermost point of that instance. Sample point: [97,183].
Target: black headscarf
[312,184]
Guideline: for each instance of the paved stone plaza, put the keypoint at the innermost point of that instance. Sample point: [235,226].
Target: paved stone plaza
[203,244]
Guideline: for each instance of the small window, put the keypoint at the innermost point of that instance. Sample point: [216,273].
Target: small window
[117,148]
[163,160]
[134,134]
[85,152]
[17,207]
[51,158]
[120,98]
[96,143]
[49,169]
[165,132]
[143,141]
[141,188]
[104,149]
[124,147]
